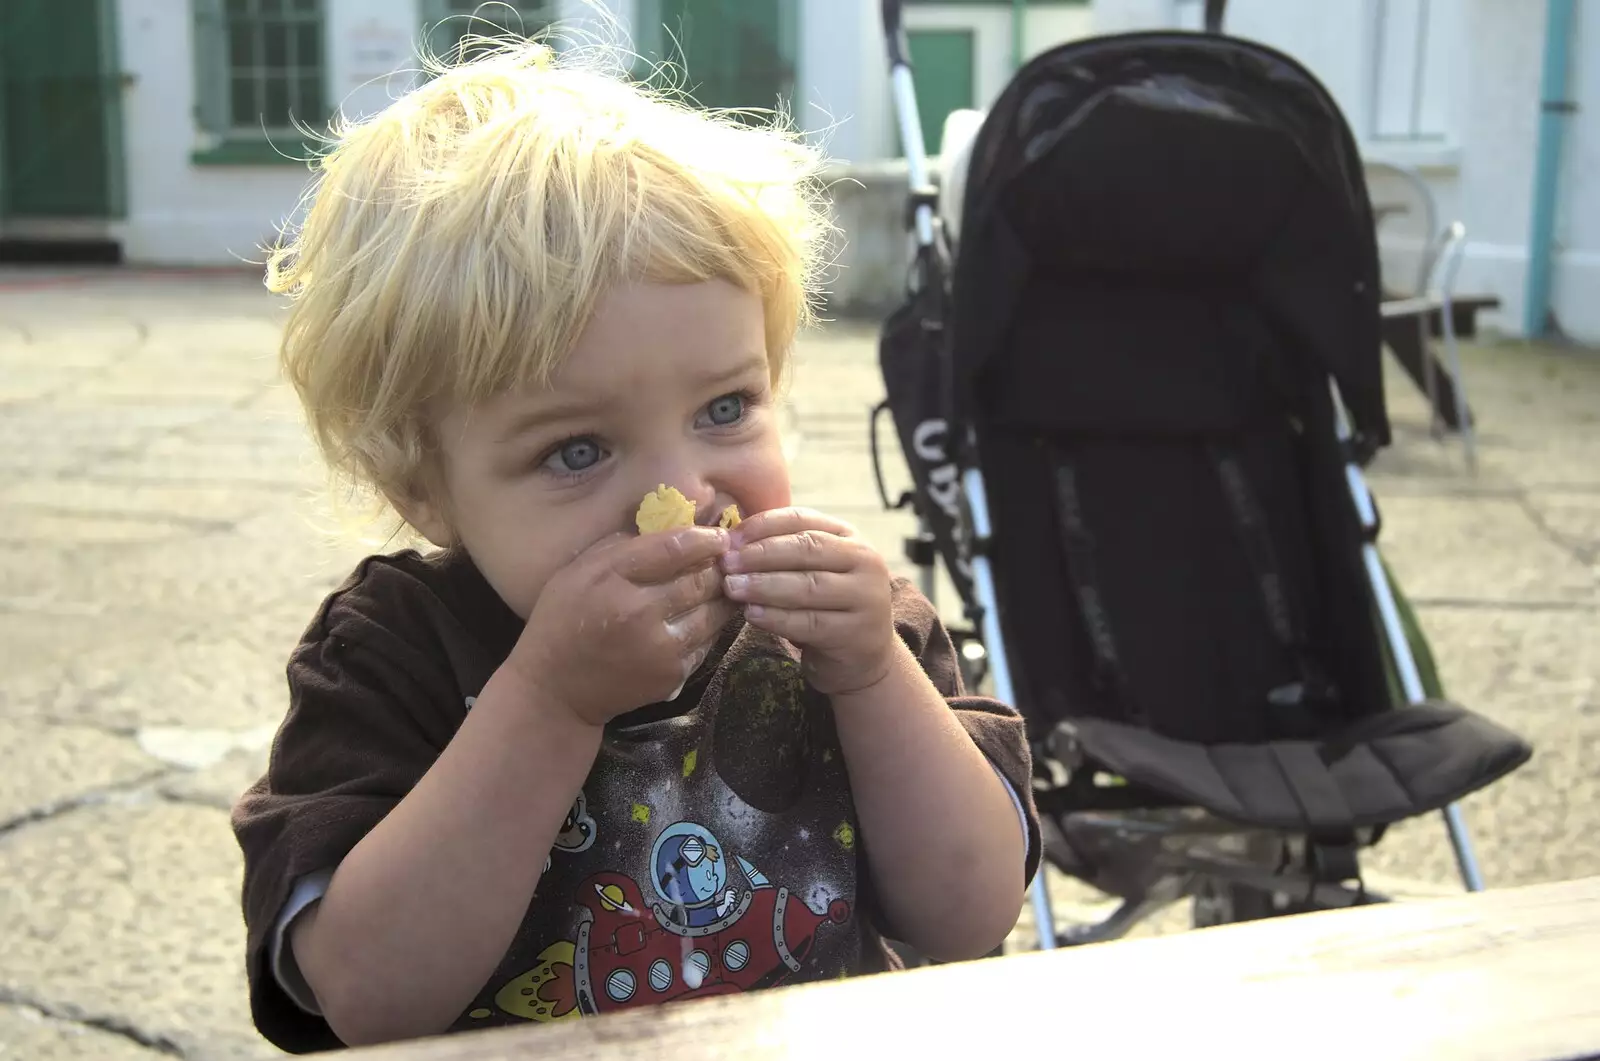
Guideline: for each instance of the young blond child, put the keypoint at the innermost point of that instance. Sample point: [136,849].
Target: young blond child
[553,767]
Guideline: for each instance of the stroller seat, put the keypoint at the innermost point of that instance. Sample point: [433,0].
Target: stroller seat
[1178,568]
[1183,593]
[1154,374]
[1399,764]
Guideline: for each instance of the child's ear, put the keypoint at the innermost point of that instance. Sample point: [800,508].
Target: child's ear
[426,518]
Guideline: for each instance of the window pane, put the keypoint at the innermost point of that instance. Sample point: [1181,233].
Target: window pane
[308,45]
[275,108]
[241,46]
[275,38]
[275,53]
[309,104]
[246,111]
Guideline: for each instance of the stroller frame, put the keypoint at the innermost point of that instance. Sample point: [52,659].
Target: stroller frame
[1164,855]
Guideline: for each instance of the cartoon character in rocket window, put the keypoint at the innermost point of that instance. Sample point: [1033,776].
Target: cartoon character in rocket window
[692,876]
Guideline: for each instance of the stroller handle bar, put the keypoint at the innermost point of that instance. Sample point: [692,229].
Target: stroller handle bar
[905,106]
[894,34]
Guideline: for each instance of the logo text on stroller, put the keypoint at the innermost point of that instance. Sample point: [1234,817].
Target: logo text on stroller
[944,480]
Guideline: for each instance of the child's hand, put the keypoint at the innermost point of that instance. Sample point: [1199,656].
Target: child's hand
[806,577]
[626,623]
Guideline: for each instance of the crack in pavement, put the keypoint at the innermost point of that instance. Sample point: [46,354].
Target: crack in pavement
[145,784]
[1584,553]
[184,432]
[117,358]
[49,721]
[70,1014]
[1523,495]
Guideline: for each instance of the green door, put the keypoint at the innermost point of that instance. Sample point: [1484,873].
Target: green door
[941,62]
[60,110]
[730,53]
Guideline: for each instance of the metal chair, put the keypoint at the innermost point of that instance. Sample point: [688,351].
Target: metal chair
[1407,212]
[1447,257]
[1404,202]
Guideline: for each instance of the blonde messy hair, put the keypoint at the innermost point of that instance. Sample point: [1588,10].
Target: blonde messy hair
[454,246]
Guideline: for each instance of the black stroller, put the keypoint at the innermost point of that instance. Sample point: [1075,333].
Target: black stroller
[1135,392]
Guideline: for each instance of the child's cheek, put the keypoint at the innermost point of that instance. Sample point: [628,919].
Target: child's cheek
[771,499]
[766,485]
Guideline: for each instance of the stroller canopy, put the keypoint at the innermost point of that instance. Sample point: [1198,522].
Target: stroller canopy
[1174,157]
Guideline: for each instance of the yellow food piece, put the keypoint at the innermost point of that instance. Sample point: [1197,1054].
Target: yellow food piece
[663,509]
[730,517]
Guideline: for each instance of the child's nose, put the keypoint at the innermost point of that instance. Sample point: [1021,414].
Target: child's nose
[704,498]
[692,484]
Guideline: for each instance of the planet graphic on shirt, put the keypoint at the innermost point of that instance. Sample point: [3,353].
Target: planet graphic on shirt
[546,992]
[612,899]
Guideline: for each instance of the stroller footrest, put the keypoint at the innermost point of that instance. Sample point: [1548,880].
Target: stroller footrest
[1383,769]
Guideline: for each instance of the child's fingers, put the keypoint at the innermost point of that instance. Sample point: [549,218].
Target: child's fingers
[695,630]
[822,590]
[803,626]
[778,521]
[655,558]
[688,590]
[806,550]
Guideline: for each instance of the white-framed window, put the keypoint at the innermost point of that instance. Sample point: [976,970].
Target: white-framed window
[1408,91]
[261,67]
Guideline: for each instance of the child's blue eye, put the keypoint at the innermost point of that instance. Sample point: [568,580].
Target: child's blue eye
[576,455]
[728,409]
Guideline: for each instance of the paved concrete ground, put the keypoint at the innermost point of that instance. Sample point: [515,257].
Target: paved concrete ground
[164,546]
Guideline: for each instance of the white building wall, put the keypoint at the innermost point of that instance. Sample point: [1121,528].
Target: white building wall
[1480,92]
[371,52]
[181,213]
[1492,191]
[841,79]
[1048,25]
[1481,95]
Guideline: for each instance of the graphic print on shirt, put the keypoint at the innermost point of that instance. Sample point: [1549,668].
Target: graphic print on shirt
[714,853]
[577,832]
[714,925]
[544,993]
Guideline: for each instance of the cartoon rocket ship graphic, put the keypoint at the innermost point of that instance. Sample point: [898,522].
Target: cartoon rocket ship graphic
[629,954]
